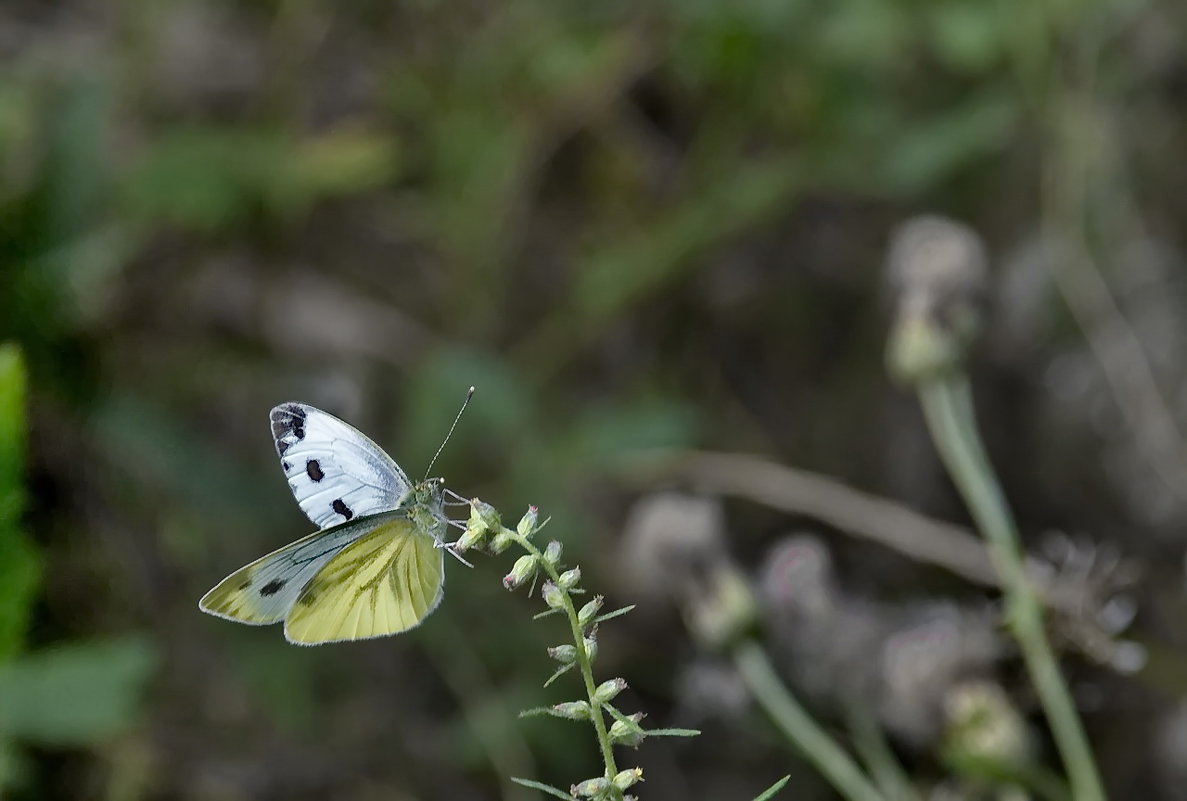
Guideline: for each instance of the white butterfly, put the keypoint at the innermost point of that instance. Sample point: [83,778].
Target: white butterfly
[375,568]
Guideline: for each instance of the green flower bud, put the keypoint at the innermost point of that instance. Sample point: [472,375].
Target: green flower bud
[570,578]
[527,523]
[552,554]
[628,778]
[503,540]
[590,611]
[572,710]
[591,648]
[591,788]
[521,572]
[483,515]
[472,537]
[565,654]
[552,596]
[608,690]
[628,731]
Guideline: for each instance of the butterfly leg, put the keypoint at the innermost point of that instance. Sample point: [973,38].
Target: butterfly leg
[448,546]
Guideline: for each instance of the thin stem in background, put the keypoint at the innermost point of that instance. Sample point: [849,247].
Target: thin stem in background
[870,742]
[794,721]
[947,405]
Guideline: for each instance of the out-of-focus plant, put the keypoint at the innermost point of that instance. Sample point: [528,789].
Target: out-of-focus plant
[679,538]
[938,268]
[66,696]
[485,531]
[19,562]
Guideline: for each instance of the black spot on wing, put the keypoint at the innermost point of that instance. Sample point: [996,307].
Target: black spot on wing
[286,466]
[282,446]
[342,509]
[272,587]
[313,468]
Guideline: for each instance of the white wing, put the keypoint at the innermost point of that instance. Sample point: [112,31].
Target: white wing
[264,591]
[336,472]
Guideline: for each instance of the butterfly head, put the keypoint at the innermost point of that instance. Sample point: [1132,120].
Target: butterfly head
[424,502]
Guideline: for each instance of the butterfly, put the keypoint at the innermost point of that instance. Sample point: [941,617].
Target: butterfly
[376,567]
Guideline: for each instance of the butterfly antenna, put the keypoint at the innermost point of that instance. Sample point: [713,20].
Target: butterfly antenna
[465,403]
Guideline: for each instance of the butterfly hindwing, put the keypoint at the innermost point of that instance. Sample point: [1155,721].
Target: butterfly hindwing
[383,583]
[335,471]
[264,591]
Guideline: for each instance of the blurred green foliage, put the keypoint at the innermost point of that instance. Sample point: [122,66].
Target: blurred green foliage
[629,226]
[20,568]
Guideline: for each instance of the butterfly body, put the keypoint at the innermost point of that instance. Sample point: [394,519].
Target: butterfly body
[376,566]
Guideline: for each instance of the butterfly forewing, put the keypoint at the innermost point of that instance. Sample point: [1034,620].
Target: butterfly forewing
[336,472]
[265,591]
[383,583]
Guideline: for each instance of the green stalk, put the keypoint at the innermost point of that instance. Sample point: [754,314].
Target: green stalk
[583,663]
[947,405]
[794,721]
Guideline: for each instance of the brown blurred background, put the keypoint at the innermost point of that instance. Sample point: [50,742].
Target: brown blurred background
[632,227]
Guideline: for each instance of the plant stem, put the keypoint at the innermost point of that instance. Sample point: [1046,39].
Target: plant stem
[794,721]
[947,405]
[583,662]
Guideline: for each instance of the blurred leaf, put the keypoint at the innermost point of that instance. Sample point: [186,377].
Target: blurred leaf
[967,35]
[931,149]
[74,694]
[625,272]
[213,178]
[608,435]
[19,565]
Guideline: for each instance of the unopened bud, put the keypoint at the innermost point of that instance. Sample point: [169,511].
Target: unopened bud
[483,515]
[565,654]
[521,572]
[628,778]
[572,710]
[472,537]
[570,578]
[591,788]
[627,731]
[552,596]
[589,612]
[608,690]
[503,539]
[591,648]
[527,523]
[552,554]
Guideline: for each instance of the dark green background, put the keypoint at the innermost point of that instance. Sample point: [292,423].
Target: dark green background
[630,225]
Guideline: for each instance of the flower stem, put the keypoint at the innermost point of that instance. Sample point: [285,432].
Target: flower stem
[947,405]
[814,742]
[583,661]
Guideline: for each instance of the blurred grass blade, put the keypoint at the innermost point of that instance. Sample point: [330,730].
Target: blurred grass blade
[74,694]
[774,788]
[20,566]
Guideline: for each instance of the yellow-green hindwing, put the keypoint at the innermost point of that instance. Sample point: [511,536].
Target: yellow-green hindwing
[384,583]
[380,571]
[264,591]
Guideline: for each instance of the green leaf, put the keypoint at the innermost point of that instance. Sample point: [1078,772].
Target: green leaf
[544,788]
[562,670]
[614,614]
[20,569]
[672,732]
[535,712]
[74,694]
[774,788]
